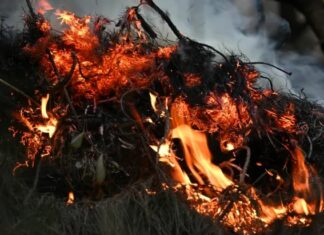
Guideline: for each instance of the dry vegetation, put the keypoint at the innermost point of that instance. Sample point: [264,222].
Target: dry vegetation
[30,205]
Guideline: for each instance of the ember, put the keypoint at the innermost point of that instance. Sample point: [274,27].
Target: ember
[117,104]
[70,200]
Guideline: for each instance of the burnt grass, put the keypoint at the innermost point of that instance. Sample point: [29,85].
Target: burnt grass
[25,209]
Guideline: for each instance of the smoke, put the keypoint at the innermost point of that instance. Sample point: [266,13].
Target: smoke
[235,26]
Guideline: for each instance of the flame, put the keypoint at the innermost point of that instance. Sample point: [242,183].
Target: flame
[304,202]
[300,206]
[229,146]
[198,157]
[242,212]
[197,154]
[300,173]
[44,105]
[103,71]
[153,99]
[50,126]
[70,199]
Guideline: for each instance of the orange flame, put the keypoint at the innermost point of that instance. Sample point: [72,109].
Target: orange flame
[305,202]
[300,173]
[127,63]
[153,99]
[51,124]
[70,199]
[198,159]
[44,105]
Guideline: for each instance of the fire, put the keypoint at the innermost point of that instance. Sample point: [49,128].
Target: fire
[197,154]
[300,206]
[242,213]
[70,199]
[228,111]
[300,173]
[44,106]
[304,202]
[229,146]
[38,122]
[153,99]
[50,126]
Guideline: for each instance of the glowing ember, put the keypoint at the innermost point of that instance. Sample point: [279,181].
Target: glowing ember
[228,111]
[70,199]
[153,101]
[229,147]
[50,126]
[44,106]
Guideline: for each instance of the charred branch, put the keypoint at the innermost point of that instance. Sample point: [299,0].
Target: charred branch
[148,29]
[165,17]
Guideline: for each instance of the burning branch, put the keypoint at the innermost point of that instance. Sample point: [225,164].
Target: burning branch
[186,114]
[64,81]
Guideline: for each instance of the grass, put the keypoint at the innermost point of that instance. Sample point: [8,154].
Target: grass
[130,212]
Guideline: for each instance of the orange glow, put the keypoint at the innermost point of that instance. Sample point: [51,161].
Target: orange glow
[50,126]
[300,173]
[228,116]
[70,199]
[198,157]
[197,154]
[229,147]
[44,105]
[166,52]
[153,99]
[300,206]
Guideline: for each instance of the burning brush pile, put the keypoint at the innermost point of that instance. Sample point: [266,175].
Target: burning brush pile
[116,105]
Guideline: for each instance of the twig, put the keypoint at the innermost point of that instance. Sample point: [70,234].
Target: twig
[68,99]
[64,81]
[165,17]
[259,178]
[230,204]
[278,185]
[145,25]
[36,176]
[270,139]
[19,91]
[271,65]
[31,10]
[211,48]
[246,164]
[229,165]
[269,80]
[160,173]
[166,132]
[122,104]
[319,134]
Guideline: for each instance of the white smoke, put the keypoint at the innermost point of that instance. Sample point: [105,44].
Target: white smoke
[228,25]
